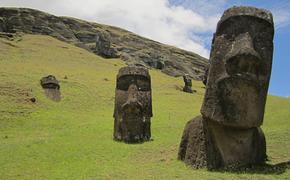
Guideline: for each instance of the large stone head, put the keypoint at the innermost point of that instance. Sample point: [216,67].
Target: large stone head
[51,87]
[49,82]
[187,84]
[239,74]
[133,104]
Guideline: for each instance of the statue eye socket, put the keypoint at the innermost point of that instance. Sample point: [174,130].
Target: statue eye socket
[230,37]
[124,82]
[243,64]
[143,84]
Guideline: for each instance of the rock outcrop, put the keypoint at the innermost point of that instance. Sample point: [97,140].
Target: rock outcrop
[106,41]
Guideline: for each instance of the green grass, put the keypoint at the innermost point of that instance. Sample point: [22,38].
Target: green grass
[72,139]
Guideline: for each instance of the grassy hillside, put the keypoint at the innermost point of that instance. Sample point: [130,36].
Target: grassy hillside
[72,139]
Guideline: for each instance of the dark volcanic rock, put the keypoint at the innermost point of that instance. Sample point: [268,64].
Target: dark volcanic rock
[103,45]
[49,82]
[192,147]
[228,134]
[51,87]
[204,80]
[187,84]
[2,25]
[107,41]
[133,105]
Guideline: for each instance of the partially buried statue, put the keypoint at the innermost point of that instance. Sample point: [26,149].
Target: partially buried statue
[228,134]
[51,87]
[133,105]
[187,84]
[204,78]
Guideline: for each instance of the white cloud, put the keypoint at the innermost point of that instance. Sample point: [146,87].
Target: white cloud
[281,14]
[204,7]
[187,24]
[155,19]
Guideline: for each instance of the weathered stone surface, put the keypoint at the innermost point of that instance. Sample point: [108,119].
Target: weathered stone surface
[51,87]
[107,41]
[187,84]
[2,25]
[193,143]
[233,147]
[103,45]
[49,82]
[236,91]
[133,105]
[204,79]
[240,68]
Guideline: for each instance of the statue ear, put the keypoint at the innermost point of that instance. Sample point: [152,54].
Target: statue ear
[212,45]
[213,38]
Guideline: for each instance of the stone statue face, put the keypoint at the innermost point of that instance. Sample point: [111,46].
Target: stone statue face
[51,87]
[241,60]
[133,104]
[187,84]
[49,82]
[187,80]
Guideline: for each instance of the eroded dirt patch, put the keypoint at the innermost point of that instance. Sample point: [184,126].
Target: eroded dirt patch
[15,101]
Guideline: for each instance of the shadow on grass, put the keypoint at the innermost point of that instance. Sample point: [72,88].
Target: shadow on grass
[261,169]
[133,143]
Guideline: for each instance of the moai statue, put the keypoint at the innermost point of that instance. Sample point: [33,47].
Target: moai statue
[228,134]
[51,87]
[133,105]
[187,84]
[204,79]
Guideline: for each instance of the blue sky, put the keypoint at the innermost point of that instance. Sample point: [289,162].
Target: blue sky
[187,24]
[280,79]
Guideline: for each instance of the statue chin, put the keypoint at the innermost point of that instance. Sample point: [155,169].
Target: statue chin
[240,101]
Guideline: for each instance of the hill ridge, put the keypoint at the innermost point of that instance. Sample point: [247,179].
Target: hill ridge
[107,41]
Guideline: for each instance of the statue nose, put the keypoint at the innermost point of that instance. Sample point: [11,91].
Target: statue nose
[132,100]
[132,92]
[243,58]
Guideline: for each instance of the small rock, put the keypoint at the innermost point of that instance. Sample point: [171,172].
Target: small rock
[32,100]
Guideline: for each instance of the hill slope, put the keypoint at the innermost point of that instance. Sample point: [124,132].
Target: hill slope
[72,139]
[107,41]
